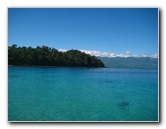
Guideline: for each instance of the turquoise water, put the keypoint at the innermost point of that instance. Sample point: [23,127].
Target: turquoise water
[82,94]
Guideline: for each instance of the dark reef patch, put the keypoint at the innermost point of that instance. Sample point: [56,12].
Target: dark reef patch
[106,81]
[123,104]
[13,76]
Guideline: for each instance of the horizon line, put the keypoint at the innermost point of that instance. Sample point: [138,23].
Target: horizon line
[112,54]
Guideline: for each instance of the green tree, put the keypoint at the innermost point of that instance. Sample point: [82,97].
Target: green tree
[45,56]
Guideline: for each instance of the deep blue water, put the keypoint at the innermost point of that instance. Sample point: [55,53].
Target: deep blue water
[82,94]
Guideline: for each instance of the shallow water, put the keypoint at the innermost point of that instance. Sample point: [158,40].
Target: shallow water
[82,94]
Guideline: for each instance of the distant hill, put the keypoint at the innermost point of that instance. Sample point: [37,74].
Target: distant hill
[130,62]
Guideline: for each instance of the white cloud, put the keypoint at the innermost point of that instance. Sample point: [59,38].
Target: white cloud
[112,54]
[106,54]
[62,50]
[154,56]
[134,55]
[144,55]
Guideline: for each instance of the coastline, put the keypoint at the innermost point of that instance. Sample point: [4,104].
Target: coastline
[52,66]
[38,66]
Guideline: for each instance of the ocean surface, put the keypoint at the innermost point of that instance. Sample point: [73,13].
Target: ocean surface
[82,94]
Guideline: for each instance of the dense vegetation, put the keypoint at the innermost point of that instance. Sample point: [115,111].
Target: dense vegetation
[130,62]
[45,56]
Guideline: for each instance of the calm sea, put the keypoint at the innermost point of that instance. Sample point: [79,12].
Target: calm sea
[82,94]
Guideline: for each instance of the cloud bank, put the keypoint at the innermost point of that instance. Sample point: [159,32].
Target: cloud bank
[112,54]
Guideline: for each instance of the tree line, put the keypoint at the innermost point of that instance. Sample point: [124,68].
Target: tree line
[46,56]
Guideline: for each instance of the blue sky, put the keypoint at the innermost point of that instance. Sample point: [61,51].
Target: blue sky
[118,31]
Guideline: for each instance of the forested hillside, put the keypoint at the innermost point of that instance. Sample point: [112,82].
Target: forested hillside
[45,56]
[130,62]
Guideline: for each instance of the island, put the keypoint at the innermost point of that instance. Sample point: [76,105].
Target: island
[46,56]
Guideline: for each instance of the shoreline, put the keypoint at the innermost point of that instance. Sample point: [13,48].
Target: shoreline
[38,66]
[52,66]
